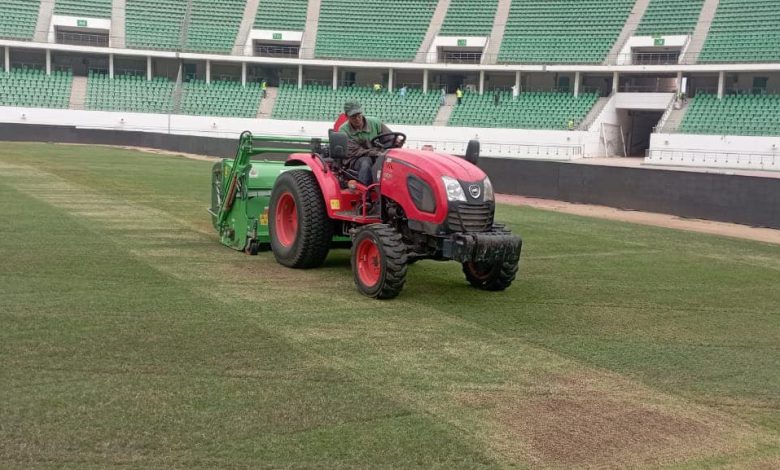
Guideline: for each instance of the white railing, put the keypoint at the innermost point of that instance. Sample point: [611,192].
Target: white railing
[714,159]
[503,149]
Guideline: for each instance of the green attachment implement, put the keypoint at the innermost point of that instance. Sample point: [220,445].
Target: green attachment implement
[241,190]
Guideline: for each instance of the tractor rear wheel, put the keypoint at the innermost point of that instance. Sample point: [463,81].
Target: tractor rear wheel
[491,276]
[298,222]
[379,261]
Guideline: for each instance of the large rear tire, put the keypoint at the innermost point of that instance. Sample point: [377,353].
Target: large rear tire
[379,261]
[298,222]
[491,276]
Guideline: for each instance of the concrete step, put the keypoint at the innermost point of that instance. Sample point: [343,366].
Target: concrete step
[78,93]
[702,30]
[433,30]
[267,103]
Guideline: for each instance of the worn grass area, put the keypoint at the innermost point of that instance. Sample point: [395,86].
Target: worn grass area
[130,337]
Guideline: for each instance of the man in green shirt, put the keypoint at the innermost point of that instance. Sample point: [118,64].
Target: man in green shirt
[361,130]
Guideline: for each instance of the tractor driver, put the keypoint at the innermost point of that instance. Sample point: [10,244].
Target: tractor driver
[361,130]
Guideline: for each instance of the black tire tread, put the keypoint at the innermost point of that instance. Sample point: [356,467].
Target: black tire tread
[316,229]
[393,251]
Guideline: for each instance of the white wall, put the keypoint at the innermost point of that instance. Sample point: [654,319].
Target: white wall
[649,41]
[715,151]
[72,22]
[268,35]
[508,143]
[639,101]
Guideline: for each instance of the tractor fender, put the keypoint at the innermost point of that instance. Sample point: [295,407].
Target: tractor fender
[329,184]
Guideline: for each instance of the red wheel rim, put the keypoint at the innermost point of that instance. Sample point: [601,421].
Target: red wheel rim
[369,263]
[286,220]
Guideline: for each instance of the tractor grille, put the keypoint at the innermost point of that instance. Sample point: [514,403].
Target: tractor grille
[470,217]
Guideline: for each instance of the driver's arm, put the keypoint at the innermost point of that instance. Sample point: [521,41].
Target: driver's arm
[355,151]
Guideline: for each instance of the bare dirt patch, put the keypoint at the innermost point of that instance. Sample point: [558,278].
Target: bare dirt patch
[766,235]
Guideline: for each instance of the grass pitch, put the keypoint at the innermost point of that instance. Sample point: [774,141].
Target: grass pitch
[130,337]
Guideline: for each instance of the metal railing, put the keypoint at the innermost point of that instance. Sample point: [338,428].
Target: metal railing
[714,158]
[82,39]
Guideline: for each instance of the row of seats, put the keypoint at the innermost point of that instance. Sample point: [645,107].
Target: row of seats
[670,17]
[744,31]
[154,24]
[370,30]
[33,88]
[220,98]
[129,93]
[469,18]
[18,18]
[322,103]
[733,115]
[281,15]
[562,31]
[88,8]
[529,110]
[214,25]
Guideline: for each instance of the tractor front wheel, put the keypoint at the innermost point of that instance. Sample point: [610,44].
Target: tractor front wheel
[298,222]
[379,261]
[491,276]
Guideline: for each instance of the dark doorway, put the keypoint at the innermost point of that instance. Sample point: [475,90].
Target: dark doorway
[641,125]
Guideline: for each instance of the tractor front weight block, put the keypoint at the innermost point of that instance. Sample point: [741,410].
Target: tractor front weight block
[488,247]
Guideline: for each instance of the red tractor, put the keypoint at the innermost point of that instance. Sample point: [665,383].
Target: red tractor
[424,205]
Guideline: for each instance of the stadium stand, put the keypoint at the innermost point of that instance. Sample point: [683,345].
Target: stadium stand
[744,31]
[33,88]
[469,18]
[220,98]
[154,24]
[733,115]
[18,18]
[531,110]
[88,8]
[670,17]
[372,30]
[129,93]
[562,31]
[213,25]
[285,15]
[321,103]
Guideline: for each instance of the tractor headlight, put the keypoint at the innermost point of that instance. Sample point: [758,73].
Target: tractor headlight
[454,189]
[489,196]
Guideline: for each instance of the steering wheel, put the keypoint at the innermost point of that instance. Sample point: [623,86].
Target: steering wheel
[389,140]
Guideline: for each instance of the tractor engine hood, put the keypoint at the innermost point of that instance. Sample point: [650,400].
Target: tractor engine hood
[438,164]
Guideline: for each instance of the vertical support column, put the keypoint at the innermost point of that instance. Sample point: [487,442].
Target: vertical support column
[721,84]
[243,73]
[678,83]
[300,76]
[425,80]
[390,80]
[517,81]
[110,65]
[335,77]
[7,58]
[615,82]
[149,67]
[48,61]
[481,82]
[577,78]
[208,71]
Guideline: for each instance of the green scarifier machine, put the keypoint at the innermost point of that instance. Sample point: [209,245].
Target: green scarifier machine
[241,191]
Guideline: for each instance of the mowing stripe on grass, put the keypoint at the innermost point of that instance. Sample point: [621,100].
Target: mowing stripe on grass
[523,404]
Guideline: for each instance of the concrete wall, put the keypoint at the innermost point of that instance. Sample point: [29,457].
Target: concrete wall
[741,199]
[725,151]
[517,143]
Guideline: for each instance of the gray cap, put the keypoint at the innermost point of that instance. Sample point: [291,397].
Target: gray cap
[352,107]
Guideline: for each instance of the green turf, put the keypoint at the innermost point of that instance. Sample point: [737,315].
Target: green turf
[130,337]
